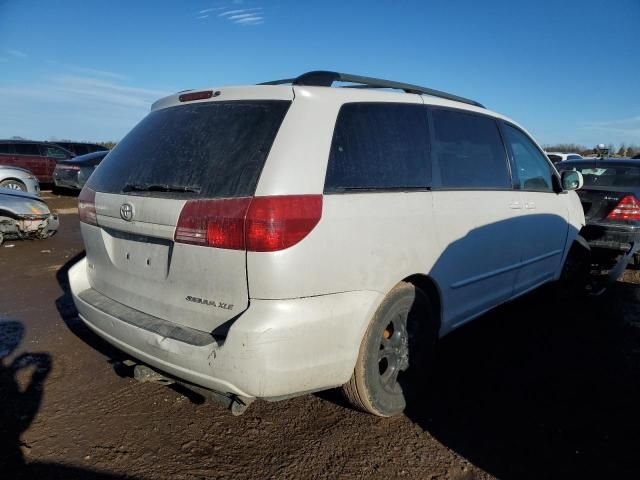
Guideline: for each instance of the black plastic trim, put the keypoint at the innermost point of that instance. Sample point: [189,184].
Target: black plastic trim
[323,78]
[145,321]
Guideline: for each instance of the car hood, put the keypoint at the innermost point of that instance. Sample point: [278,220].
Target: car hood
[6,168]
[17,193]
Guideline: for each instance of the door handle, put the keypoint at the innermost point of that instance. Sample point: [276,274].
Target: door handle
[530,205]
[515,205]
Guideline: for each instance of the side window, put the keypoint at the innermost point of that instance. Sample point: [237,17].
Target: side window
[54,152]
[6,148]
[378,146]
[31,149]
[533,170]
[468,152]
[574,157]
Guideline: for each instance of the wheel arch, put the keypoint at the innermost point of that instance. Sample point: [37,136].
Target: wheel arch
[15,179]
[431,289]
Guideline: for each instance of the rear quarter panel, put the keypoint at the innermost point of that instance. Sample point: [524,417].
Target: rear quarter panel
[364,241]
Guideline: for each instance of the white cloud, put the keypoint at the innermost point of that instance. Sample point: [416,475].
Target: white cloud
[94,72]
[249,21]
[234,14]
[74,106]
[244,16]
[238,11]
[624,129]
[241,15]
[16,53]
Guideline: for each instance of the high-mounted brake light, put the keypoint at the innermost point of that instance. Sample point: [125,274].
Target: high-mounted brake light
[258,224]
[87,206]
[627,209]
[189,97]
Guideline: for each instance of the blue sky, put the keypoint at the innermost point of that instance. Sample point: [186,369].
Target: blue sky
[568,70]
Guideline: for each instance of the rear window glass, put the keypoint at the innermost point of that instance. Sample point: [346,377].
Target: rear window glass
[212,149]
[626,177]
[468,152]
[379,146]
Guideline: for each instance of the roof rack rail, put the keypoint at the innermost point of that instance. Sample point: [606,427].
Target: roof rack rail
[321,78]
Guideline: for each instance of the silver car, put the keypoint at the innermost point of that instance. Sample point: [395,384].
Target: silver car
[25,216]
[16,178]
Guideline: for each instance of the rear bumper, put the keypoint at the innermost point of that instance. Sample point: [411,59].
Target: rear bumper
[32,185]
[66,181]
[276,348]
[611,237]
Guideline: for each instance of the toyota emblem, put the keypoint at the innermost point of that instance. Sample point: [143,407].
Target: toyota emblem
[126,212]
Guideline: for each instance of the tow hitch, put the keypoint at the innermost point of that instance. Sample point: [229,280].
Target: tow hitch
[599,284]
[142,373]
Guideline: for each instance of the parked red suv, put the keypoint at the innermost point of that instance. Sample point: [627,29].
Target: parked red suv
[38,157]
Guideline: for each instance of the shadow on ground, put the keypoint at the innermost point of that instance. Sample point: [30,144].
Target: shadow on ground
[69,314]
[22,379]
[529,392]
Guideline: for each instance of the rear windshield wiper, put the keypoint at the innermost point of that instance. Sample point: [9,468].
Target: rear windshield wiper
[159,187]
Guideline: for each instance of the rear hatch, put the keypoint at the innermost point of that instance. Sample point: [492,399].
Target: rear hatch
[181,154]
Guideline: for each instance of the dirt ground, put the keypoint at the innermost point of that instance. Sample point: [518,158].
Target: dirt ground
[526,392]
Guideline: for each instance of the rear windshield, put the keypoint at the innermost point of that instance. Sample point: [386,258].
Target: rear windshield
[200,150]
[610,176]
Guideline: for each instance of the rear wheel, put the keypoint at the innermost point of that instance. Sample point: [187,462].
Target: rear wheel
[13,185]
[394,354]
[575,276]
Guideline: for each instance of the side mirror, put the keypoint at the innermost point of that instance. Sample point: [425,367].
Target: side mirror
[571,180]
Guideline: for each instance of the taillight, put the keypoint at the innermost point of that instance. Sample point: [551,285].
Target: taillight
[279,222]
[258,224]
[213,223]
[87,206]
[627,209]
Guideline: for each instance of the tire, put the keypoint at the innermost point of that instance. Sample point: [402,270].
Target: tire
[575,275]
[13,185]
[395,352]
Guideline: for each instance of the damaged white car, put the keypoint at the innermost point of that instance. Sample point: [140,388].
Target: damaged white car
[25,216]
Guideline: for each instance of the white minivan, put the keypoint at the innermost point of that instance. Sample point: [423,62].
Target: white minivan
[272,240]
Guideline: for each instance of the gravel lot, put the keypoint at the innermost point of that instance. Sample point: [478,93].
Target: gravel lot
[525,392]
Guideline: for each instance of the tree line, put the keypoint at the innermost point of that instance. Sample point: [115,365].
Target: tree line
[622,150]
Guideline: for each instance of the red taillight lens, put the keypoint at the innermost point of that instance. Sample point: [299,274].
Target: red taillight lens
[627,209]
[259,224]
[87,206]
[279,222]
[213,223]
